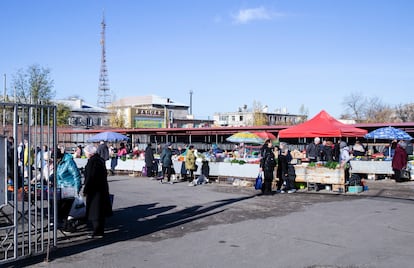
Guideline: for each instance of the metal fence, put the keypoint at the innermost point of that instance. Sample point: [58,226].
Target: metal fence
[27,200]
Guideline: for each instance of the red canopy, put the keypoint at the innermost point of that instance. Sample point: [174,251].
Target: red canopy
[322,125]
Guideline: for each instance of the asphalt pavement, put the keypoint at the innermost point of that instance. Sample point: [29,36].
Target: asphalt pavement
[219,225]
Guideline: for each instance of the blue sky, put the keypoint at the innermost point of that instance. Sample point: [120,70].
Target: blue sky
[285,53]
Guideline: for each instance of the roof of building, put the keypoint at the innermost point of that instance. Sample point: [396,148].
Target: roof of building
[79,105]
[147,100]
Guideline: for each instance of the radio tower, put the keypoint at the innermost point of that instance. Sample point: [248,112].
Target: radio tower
[104,97]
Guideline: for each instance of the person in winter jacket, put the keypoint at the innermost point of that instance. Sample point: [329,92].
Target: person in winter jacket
[113,155]
[166,162]
[96,190]
[67,172]
[285,172]
[399,161]
[150,161]
[103,150]
[190,162]
[267,165]
[344,158]
[69,182]
[314,150]
[122,151]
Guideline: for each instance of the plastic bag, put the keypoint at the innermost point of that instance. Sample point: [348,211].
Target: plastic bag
[78,209]
[144,171]
[259,181]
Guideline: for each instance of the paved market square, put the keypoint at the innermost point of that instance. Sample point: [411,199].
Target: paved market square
[220,225]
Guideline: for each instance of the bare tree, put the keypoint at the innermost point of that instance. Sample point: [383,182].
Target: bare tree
[405,112]
[372,109]
[33,85]
[376,111]
[354,105]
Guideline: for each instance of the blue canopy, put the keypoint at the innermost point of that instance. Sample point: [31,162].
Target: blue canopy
[108,136]
[388,133]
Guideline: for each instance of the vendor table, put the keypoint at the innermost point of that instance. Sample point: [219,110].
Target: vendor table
[217,169]
[321,175]
[371,167]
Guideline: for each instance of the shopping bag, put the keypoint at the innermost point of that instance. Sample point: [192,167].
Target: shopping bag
[259,181]
[144,171]
[78,209]
[68,191]
[405,174]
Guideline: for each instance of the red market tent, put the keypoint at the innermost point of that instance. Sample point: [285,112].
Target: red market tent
[322,125]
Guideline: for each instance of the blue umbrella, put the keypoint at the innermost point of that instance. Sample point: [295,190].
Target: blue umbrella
[388,133]
[108,136]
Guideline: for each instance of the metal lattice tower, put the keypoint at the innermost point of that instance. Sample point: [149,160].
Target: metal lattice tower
[104,96]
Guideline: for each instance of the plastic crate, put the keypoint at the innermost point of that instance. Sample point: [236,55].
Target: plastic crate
[355,189]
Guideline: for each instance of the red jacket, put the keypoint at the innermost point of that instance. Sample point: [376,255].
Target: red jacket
[399,160]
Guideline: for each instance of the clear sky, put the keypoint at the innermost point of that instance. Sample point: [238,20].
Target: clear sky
[284,53]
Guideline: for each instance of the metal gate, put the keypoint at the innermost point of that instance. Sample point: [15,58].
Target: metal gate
[27,200]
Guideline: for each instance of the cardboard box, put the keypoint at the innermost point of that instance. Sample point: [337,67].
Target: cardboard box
[355,189]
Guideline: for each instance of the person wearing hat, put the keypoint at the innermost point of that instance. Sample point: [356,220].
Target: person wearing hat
[166,162]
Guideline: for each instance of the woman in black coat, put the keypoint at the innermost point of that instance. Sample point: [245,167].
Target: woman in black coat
[267,165]
[96,190]
[150,161]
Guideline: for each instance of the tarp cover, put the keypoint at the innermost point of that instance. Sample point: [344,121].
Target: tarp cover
[322,125]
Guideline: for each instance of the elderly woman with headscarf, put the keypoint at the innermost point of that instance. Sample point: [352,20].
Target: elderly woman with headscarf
[96,190]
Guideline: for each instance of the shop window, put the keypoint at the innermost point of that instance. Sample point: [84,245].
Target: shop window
[89,121]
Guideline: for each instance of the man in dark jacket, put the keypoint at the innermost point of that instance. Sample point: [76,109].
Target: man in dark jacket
[166,162]
[103,150]
[96,190]
[314,150]
[267,165]
[285,172]
[150,161]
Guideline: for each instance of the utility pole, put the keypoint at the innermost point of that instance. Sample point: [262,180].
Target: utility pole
[4,100]
[191,101]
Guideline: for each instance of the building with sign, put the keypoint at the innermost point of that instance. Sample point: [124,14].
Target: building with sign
[246,117]
[85,115]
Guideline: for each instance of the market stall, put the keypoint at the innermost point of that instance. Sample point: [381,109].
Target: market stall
[322,125]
